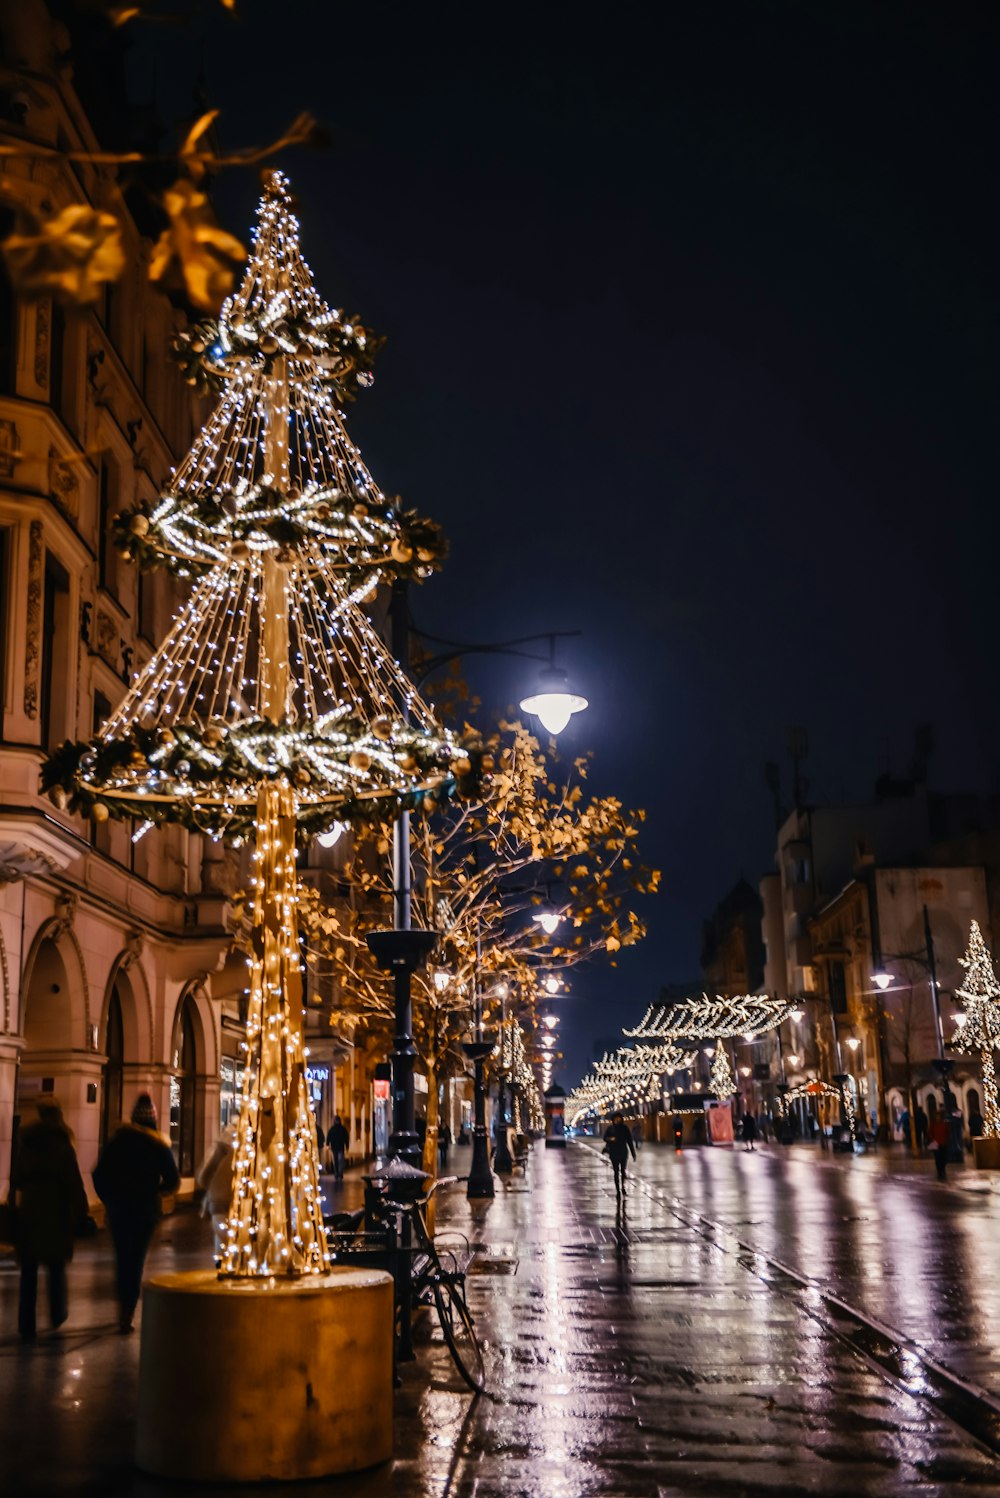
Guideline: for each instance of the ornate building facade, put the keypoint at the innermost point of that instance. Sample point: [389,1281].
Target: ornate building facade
[110,941]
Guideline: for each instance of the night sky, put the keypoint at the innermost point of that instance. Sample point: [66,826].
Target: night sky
[692,327]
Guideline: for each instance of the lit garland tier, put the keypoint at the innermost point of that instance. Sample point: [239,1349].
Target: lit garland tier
[199,731]
[277,335]
[980,1024]
[707,1017]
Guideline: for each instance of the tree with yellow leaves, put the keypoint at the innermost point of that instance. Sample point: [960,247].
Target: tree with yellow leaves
[532,844]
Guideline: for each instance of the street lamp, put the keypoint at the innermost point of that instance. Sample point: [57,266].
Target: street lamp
[554,703]
[549,920]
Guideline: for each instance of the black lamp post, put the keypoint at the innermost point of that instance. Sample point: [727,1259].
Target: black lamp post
[502,1162]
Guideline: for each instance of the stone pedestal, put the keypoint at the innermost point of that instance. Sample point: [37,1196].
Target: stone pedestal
[248,1381]
[987,1153]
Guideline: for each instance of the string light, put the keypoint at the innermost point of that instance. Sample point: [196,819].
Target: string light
[705,1018]
[980,1024]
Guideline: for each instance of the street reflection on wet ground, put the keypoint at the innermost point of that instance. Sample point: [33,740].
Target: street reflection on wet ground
[656,1348]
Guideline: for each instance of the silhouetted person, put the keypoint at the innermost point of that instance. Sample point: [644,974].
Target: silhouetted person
[136,1167]
[941,1140]
[920,1119]
[678,1128]
[50,1206]
[337,1140]
[619,1144]
[748,1131]
[976,1124]
[444,1143]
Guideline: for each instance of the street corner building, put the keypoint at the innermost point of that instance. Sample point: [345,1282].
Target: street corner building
[119,972]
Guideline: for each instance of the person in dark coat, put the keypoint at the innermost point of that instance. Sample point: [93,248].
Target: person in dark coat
[50,1205]
[337,1140]
[749,1131]
[135,1168]
[619,1144]
[444,1144]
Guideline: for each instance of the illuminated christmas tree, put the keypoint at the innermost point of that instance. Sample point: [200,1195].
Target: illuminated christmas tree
[273,705]
[979,1029]
[722,1082]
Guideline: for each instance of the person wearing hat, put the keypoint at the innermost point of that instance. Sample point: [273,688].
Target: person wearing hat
[50,1206]
[135,1169]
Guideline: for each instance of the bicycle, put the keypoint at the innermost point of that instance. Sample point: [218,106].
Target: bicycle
[430,1280]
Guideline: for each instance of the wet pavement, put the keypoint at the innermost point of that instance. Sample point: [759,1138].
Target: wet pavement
[770,1323]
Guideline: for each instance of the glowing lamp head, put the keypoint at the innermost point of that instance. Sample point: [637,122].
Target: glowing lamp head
[853,1042]
[550,1021]
[441,978]
[793,1059]
[960,1020]
[547,919]
[882,980]
[552,985]
[331,837]
[797,1015]
[744,1071]
[553,704]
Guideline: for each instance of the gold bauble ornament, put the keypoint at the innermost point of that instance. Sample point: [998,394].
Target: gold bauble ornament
[382,729]
[400,552]
[59,798]
[302,777]
[166,736]
[360,510]
[139,525]
[212,737]
[408,762]
[462,766]
[359,760]
[424,555]
[99,812]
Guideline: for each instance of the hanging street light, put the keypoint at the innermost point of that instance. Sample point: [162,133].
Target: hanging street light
[553,703]
[549,920]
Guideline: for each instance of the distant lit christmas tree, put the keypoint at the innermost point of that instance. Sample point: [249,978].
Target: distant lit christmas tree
[722,1082]
[273,705]
[980,1029]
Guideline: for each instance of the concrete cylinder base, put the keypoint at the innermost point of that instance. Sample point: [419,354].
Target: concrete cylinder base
[986,1153]
[243,1380]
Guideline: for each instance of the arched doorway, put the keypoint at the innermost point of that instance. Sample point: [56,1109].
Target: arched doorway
[183,1088]
[113,1075]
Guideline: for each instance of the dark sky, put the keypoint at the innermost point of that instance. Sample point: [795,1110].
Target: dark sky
[692,326]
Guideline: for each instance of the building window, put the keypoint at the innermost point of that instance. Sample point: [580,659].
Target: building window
[8,318]
[56,655]
[6,598]
[106,510]
[182,1092]
[113,1072]
[146,588]
[100,832]
[838,988]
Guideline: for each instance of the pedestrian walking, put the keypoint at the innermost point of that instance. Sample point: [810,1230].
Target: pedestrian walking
[920,1119]
[444,1143]
[50,1207]
[337,1140]
[976,1123]
[941,1140]
[135,1169]
[677,1125]
[619,1144]
[215,1179]
[748,1133]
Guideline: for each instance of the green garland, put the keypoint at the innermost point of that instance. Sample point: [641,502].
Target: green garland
[209,351]
[76,777]
[419,548]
